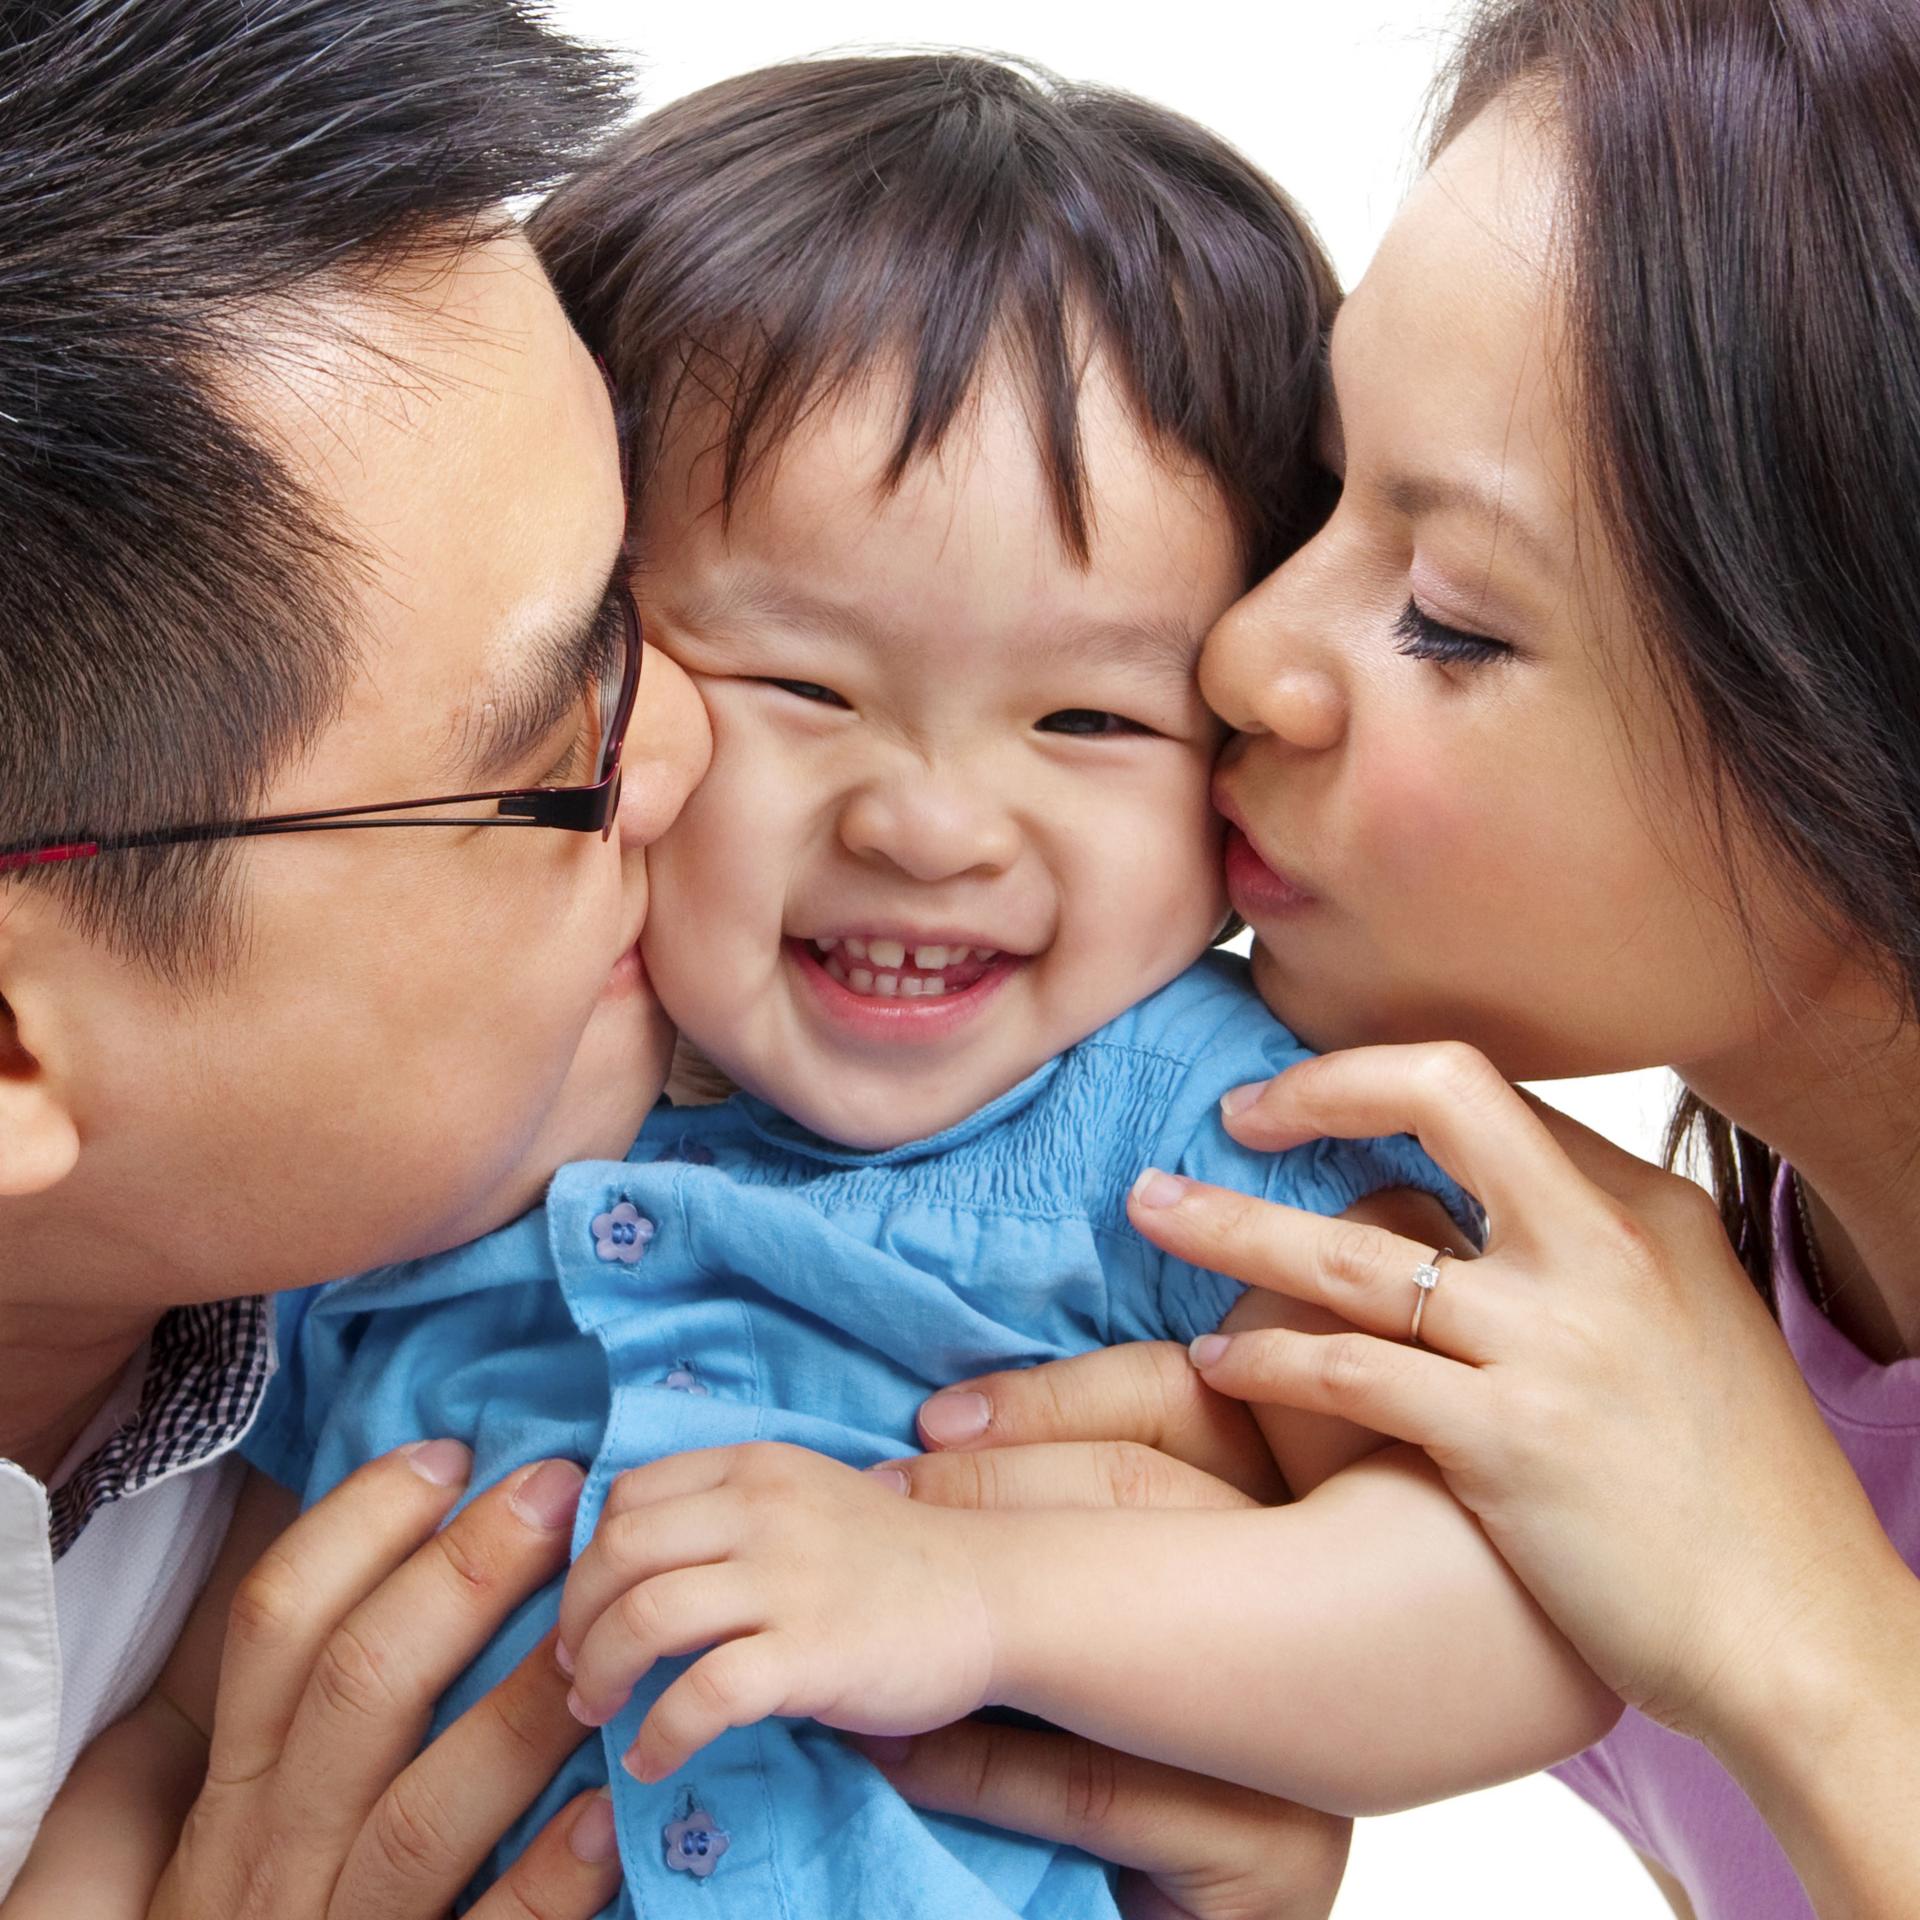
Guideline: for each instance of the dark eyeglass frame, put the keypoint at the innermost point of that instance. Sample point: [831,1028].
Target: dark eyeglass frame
[591,808]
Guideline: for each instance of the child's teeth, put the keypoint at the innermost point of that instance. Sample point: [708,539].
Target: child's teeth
[826,946]
[887,953]
[932,959]
[860,980]
[911,988]
[886,983]
[856,948]
[835,971]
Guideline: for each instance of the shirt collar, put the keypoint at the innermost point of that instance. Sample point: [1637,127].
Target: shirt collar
[207,1368]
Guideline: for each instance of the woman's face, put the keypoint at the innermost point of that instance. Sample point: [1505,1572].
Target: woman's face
[1464,806]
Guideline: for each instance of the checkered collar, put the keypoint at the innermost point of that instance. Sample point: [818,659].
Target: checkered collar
[207,1367]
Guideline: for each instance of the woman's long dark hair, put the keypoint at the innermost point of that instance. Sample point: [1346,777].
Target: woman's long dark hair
[1743,244]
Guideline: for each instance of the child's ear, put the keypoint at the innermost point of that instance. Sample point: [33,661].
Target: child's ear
[39,1139]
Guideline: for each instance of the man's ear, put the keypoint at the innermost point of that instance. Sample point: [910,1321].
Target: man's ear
[39,1140]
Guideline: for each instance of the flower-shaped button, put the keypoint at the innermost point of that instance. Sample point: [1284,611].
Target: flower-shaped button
[694,1843]
[685,1379]
[622,1233]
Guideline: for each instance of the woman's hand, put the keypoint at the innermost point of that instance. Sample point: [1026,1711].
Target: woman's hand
[318,1804]
[1603,1387]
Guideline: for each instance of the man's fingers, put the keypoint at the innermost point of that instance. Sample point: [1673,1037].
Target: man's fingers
[1142,1391]
[570,1872]
[1217,1852]
[322,1567]
[1081,1473]
[430,1830]
[374,1681]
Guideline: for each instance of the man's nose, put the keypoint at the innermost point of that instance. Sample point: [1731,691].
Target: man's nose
[1261,675]
[669,743]
[929,827]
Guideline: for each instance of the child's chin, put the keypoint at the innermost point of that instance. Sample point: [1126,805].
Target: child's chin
[877,1120]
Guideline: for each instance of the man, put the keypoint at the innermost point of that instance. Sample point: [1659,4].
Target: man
[309,503]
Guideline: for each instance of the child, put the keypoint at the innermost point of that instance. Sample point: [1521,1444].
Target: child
[964,404]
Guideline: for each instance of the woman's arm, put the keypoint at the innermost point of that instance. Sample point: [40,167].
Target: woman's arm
[1607,1392]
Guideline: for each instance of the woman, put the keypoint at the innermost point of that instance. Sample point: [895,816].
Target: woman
[1587,734]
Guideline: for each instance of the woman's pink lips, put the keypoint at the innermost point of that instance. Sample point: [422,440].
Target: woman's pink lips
[870,1017]
[1257,890]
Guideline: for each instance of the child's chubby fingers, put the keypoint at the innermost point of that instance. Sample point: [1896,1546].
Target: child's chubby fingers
[738,1684]
[673,1613]
[632,1547]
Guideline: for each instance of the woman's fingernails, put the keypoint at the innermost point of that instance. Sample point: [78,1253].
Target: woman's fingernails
[593,1840]
[1157,1189]
[445,1463]
[891,1478]
[563,1657]
[1208,1348]
[546,1498]
[578,1708]
[956,1415]
[1239,1099]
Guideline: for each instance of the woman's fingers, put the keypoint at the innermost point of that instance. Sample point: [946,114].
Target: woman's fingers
[1450,1096]
[570,1872]
[1423,1398]
[1210,1850]
[323,1566]
[1363,1274]
[375,1679]
[1143,1392]
[430,1830]
[1072,1473]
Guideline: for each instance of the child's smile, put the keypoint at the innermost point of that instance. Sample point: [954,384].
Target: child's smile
[958,813]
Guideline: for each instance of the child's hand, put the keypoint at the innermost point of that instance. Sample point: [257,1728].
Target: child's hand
[820,1591]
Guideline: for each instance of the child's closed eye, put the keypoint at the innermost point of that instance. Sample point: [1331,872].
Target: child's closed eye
[806,690]
[1090,723]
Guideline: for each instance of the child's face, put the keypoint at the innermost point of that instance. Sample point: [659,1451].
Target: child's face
[958,812]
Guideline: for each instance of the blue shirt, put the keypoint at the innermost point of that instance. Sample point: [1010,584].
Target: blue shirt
[737,1278]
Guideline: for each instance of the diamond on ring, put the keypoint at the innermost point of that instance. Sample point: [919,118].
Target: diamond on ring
[1426,1276]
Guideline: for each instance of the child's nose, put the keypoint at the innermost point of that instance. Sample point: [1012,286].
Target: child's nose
[929,830]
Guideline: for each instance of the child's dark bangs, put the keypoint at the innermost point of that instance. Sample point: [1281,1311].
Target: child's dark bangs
[779,241]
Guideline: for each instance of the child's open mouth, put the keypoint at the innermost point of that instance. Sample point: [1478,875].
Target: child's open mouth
[893,970]
[884,987]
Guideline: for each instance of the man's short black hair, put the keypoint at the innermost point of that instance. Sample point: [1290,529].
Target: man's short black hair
[760,246]
[171,609]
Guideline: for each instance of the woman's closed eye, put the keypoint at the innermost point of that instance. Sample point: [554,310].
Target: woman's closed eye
[1421,637]
[1090,723]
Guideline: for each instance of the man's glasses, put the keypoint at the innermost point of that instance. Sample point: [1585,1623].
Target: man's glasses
[574,809]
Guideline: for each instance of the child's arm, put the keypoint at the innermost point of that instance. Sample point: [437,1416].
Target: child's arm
[114,1824]
[1364,1648]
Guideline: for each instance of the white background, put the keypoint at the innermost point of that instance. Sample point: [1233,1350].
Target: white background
[1327,96]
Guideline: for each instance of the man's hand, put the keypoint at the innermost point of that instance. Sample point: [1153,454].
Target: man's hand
[318,1804]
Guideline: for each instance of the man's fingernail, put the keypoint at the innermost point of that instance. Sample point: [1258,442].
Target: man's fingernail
[546,1498]
[578,1708]
[1157,1189]
[563,1657]
[446,1463]
[592,1839]
[1239,1099]
[956,1415]
[1208,1348]
[891,1478]
[884,1749]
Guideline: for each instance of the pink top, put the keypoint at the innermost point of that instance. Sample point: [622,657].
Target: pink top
[1670,1798]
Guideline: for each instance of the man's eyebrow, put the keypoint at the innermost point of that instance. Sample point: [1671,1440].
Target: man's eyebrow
[505,721]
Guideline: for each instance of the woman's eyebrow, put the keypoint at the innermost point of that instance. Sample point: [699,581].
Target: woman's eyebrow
[1416,496]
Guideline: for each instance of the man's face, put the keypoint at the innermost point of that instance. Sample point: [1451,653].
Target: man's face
[423,1023]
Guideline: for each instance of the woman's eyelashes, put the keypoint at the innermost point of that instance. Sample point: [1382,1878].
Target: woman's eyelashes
[1421,637]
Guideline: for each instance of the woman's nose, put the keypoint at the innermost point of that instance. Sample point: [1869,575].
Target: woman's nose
[669,743]
[928,828]
[1258,676]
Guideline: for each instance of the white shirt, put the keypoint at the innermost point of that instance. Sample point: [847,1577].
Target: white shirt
[84,1632]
